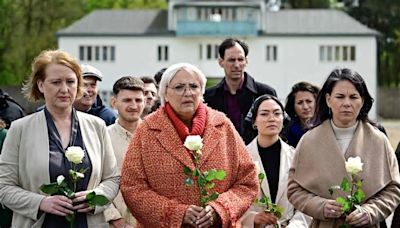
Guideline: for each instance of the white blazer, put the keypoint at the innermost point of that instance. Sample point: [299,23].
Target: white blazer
[24,166]
[291,218]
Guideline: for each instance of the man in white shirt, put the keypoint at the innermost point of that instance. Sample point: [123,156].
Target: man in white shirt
[128,99]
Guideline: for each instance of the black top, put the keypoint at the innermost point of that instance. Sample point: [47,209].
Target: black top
[59,165]
[271,157]
[214,98]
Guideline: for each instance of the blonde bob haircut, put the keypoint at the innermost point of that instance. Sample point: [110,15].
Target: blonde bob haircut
[39,65]
[170,73]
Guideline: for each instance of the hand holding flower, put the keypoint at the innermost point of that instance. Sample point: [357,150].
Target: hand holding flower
[57,205]
[207,217]
[265,218]
[80,202]
[358,217]
[352,190]
[332,209]
[63,199]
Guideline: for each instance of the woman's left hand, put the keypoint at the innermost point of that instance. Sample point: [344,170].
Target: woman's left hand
[80,204]
[359,217]
[207,217]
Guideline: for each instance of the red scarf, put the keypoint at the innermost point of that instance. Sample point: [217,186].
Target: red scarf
[198,121]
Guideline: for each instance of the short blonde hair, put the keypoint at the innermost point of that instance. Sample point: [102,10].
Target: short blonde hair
[170,73]
[39,65]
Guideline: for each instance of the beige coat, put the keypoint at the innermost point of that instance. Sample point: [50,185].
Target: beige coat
[319,164]
[24,166]
[120,139]
[291,218]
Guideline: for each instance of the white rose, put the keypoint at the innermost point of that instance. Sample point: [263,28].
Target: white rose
[60,179]
[354,165]
[80,175]
[257,165]
[75,154]
[193,142]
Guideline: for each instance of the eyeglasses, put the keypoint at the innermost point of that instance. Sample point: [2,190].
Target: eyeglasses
[180,89]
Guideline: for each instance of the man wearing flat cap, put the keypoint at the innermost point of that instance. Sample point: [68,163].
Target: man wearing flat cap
[91,102]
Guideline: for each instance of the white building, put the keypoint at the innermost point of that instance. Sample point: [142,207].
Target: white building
[286,46]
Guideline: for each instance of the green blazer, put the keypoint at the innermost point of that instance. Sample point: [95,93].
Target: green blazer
[24,166]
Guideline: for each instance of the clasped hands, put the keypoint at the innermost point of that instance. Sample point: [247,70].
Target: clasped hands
[62,206]
[358,217]
[200,217]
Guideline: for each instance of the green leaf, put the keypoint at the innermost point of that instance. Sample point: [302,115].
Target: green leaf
[98,200]
[210,185]
[341,200]
[201,181]
[188,181]
[211,175]
[346,207]
[345,185]
[68,193]
[187,170]
[196,172]
[220,175]
[90,195]
[213,196]
[278,211]
[359,195]
[50,189]
[261,176]
[359,184]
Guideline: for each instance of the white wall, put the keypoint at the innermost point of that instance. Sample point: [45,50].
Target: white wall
[298,58]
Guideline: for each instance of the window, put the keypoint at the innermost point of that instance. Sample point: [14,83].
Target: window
[162,53]
[271,53]
[337,53]
[96,53]
[210,51]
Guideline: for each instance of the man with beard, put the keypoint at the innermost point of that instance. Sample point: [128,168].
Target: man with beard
[128,99]
[91,102]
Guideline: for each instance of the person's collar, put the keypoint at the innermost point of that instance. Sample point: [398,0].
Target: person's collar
[249,83]
[240,88]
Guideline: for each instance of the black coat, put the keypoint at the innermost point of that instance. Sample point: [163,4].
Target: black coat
[214,97]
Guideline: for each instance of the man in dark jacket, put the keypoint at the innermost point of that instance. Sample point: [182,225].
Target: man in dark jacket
[91,102]
[10,110]
[236,92]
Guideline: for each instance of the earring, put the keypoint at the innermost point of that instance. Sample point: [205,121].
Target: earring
[254,127]
[329,111]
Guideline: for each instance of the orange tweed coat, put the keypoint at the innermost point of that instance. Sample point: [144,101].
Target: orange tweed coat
[153,180]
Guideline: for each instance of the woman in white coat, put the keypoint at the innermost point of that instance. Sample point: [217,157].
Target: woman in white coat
[274,158]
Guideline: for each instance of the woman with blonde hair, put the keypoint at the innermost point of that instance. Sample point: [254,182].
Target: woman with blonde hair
[34,151]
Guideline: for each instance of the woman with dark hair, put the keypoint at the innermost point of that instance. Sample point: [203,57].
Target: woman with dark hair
[300,106]
[344,131]
[273,157]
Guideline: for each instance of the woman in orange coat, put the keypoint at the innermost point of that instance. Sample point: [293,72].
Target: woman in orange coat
[153,172]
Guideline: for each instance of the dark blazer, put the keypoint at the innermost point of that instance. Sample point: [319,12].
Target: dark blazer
[214,97]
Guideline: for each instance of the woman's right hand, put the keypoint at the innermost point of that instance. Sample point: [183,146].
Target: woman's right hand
[264,218]
[57,205]
[191,215]
[332,209]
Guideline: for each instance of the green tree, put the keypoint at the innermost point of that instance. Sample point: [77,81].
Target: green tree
[29,26]
[302,4]
[383,16]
